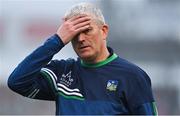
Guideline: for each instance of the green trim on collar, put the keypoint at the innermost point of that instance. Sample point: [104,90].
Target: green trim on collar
[99,64]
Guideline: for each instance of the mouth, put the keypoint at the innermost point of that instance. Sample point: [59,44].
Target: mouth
[83,47]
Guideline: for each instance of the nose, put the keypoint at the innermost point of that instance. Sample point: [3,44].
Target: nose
[81,37]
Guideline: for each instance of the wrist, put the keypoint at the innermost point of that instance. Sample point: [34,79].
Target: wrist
[59,39]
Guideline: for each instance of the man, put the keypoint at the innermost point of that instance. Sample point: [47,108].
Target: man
[98,82]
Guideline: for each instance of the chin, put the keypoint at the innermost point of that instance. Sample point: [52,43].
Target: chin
[86,57]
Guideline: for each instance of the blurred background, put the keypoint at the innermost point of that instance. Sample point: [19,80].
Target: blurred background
[145,32]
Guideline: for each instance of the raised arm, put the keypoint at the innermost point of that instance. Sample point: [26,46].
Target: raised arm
[27,78]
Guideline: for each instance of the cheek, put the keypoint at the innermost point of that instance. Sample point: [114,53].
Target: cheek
[98,38]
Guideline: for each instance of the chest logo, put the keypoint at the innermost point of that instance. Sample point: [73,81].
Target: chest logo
[66,79]
[112,85]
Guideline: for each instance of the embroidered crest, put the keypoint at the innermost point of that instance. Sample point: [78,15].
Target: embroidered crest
[66,79]
[112,85]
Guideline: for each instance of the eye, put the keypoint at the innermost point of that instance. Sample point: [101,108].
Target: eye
[87,30]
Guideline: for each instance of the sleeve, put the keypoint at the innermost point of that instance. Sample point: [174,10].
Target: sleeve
[139,95]
[51,71]
[27,78]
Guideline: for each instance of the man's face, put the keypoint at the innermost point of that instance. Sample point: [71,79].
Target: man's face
[89,43]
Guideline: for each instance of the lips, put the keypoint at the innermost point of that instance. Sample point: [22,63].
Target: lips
[82,47]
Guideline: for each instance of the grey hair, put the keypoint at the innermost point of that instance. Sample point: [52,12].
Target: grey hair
[85,8]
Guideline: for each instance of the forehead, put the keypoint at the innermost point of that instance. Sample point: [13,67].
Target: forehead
[93,22]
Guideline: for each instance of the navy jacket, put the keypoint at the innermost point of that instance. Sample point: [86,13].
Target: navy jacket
[113,86]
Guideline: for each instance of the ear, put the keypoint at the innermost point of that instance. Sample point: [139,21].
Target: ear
[105,30]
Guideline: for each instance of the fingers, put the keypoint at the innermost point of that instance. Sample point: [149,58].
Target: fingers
[86,23]
[81,19]
[80,23]
[82,28]
[71,27]
[76,17]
